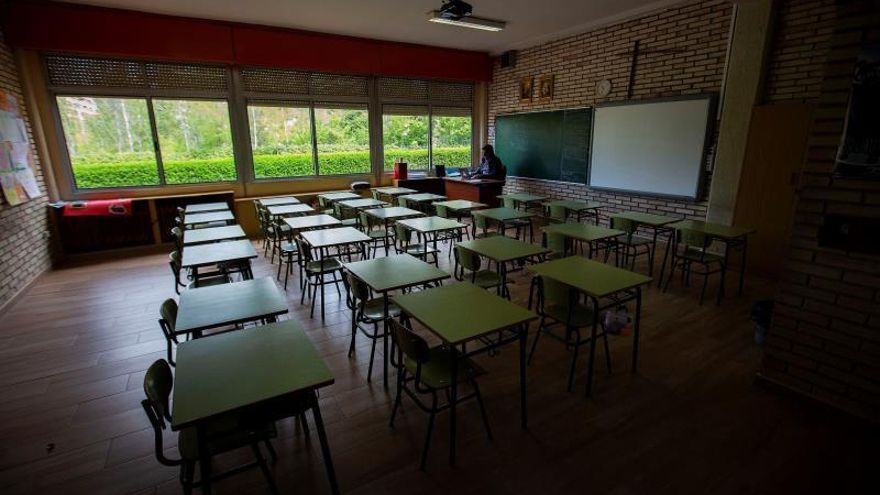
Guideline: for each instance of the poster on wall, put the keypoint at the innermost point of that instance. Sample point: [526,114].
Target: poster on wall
[16,161]
[858,156]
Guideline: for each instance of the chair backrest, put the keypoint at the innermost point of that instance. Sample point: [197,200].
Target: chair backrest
[360,291]
[177,235]
[322,201]
[441,210]
[181,212]
[555,242]
[413,346]
[557,212]
[158,383]
[468,259]
[551,292]
[376,194]
[168,315]
[174,263]
[624,224]
[401,201]
[693,239]
[305,250]
[404,235]
[364,220]
[178,221]
[480,222]
[508,202]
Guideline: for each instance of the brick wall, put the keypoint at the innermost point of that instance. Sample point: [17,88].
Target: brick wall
[685,50]
[25,245]
[825,338]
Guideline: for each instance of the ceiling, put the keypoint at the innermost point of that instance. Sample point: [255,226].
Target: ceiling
[529,22]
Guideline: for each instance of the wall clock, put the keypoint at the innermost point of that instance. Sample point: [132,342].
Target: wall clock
[603,88]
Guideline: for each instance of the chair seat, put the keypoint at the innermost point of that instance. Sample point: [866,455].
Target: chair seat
[418,250]
[348,222]
[224,434]
[484,235]
[700,256]
[581,315]
[634,240]
[437,372]
[327,265]
[374,309]
[484,279]
[517,223]
[209,225]
[208,281]
[378,234]
[288,247]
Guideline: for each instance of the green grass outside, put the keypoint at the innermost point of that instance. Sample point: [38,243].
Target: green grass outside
[144,173]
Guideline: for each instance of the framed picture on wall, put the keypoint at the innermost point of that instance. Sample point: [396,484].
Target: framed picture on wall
[858,155]
[526,87]
[545,87]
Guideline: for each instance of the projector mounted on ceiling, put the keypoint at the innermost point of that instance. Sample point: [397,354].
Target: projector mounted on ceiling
[458,13]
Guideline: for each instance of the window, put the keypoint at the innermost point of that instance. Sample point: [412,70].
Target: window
[342,134]
[109,141]
[405,136]
[451,137]
[281,141]
[195,141]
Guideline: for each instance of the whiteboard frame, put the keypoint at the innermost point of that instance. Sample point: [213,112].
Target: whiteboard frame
[711,118]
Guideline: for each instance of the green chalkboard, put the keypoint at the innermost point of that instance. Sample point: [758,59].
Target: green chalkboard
[551,145]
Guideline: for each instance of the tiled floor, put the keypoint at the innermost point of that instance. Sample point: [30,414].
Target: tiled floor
[74,349]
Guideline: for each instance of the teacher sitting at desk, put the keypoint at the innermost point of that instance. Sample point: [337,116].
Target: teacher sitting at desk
[490,166]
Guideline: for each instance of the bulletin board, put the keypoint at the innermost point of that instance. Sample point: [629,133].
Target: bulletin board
[16,160]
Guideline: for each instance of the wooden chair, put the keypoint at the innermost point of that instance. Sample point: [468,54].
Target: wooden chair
[692,248]
[424,370]
[224,434]
[558,303]
[368,310]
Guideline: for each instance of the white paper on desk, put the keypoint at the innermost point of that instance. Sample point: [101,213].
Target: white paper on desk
[24,174]
[12,128]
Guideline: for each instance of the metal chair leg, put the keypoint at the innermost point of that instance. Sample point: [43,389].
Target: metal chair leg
[483,414]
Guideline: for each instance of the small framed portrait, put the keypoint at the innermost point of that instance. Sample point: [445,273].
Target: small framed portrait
[545,87]
[526,87]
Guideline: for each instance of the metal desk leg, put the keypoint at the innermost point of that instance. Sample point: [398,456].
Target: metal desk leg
[592,346]
[453,399]
[385,238]
[523,336]
[742,268]
[321,277]
[385,339]
[636,328]
[325,447]
[204,459]
[653,252]
[669,242]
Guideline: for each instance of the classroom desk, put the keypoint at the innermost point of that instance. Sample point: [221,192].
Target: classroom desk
[590,234]
[390,215]
[522,200]
[362,204]
[311,222]
[239,370]
[339,196]
[393,192]
[280,200]
[440,311]
[731,236]
[430,227]
[460,208]
[580,209]
[324,239]
[202,255]
[598,280]
[422,200]
[501,216]
[503,250]
[229,304]
[214,234]
[289,209]
[208,217]
[656,223]
[477,190]
[206,207]
[390,273]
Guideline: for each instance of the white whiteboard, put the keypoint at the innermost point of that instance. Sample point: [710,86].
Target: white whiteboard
[653,148]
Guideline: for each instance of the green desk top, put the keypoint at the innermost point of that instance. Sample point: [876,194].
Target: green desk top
[362,203]
[395,272]
[204,207]
[281,200]
[591,277]
[645,218]
[225,372]
[213,234]
[334,237]
[502,249]
[714,229]
[431,224]
[423,197]
[581,232]
[395,191]
[226,304]
[393,212]
[503,214]
[289,209]
[312,222]
[217,252]
[572,205]
[211,216]
[460,204]
[458,313]
[339,196]
[522,197]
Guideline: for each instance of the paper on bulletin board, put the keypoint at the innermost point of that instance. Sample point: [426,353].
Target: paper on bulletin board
[13,191]
[16,161]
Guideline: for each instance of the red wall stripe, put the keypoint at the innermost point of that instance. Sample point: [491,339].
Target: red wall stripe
[68,28]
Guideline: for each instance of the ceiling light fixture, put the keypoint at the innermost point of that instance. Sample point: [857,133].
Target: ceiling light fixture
[458,13]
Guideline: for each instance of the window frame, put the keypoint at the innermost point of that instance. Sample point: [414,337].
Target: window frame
[430,105]
[250,145]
